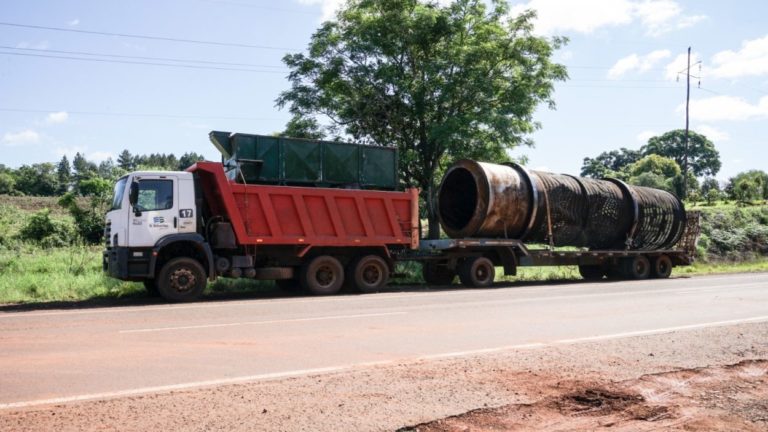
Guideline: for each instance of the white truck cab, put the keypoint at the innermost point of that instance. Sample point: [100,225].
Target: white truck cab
[150,211]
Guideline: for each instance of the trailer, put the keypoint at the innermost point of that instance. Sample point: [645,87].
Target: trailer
[339,221]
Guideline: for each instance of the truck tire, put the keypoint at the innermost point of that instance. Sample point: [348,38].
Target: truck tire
[181,280]
[661,267]
[436,274]
[591,272]
[151,286]
[369,274]
[636,267]
[323,275]
[477,272]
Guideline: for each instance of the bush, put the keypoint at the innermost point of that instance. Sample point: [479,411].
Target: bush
[47,232]
[90,220]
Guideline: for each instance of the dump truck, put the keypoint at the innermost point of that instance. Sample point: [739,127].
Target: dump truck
[325,215]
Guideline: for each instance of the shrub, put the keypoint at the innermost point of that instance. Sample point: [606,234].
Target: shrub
[45,231]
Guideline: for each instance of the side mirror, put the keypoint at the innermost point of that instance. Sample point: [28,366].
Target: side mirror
[133,193]
[133,197]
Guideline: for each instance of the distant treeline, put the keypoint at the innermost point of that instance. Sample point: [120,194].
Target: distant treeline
[84,177]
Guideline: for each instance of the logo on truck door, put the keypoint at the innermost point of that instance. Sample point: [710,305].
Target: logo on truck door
[185,213]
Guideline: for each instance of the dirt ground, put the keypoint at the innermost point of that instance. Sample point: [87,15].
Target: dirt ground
[730,398]
[706,379]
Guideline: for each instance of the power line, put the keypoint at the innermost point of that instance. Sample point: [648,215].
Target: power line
[139,63]
[167,59]
[137,36]
[128,114]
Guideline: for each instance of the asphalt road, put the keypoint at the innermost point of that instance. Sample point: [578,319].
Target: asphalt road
[59,356]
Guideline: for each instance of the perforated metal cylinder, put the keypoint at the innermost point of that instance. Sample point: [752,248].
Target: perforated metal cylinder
[478,199]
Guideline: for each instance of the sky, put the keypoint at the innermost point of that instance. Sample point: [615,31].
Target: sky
[170,71]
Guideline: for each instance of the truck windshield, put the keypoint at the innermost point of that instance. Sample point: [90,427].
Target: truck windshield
[117,199]
[155,195]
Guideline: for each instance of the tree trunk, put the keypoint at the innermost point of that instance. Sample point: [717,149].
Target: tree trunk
[434,223]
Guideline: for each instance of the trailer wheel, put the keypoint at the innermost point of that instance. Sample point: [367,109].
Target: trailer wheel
[591,272]
[637,267]
[369,274]
[181,279]
[323,275]
[477,272]
[661,267]
[436,274]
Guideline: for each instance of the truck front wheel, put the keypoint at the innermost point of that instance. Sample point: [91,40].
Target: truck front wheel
[323,275]
[181,279]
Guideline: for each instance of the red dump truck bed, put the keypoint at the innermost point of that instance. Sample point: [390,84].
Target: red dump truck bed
[312,216]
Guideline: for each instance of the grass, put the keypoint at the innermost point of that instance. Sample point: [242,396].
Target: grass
[34,275]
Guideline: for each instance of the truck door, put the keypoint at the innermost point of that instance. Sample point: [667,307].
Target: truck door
[155,214]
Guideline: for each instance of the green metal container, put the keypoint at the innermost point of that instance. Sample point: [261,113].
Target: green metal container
[278,160]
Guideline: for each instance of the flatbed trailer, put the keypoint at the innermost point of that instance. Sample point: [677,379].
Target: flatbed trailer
[474,260]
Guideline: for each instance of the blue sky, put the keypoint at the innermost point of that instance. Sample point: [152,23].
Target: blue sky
[623,58]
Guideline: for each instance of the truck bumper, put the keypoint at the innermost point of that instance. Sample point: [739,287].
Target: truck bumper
[131,264]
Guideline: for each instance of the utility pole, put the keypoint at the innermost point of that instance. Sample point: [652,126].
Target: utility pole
[687,103]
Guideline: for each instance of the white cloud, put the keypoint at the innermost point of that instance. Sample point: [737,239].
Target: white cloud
[677,67]
[41,45]
[586,16]
[74,23]
[328,7]
[750,60]
[644,136]
[712,133]
[636,62]
[732,108]
[57,117]
[27,136]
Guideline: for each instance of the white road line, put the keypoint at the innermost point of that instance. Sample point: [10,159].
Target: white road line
[348,367]
[663,330]
[201,326]
[190,385]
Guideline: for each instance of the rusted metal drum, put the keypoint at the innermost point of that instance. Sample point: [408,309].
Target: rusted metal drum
[478,199]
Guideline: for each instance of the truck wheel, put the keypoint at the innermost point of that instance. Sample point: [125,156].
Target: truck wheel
[661,267]
[637,267]
[591,272]
[181,279]
[323,275]
[477,272]
[151,286]
[369,274]
[436,274]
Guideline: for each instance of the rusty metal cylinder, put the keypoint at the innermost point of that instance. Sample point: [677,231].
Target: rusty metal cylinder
[478,199]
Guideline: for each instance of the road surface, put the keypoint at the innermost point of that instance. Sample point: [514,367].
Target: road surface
[58,356]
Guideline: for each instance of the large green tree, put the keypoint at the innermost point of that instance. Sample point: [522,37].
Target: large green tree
[609,163]
[703,158]
[440,83]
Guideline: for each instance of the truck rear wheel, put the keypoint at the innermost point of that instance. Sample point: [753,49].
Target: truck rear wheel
[181,279]
[661,267]
[323,275]
[436,274]
[591,272]
[636,267]
[369,274]
[477,272]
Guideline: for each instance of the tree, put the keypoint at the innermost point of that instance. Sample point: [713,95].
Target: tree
[63,174]
[757,189]
[703,158]
[300,126]
[126,160]
[440,83]
[607,164]
[655,164]
[37,179]
[188,159]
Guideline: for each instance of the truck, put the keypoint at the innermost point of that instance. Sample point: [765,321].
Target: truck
[325,215]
